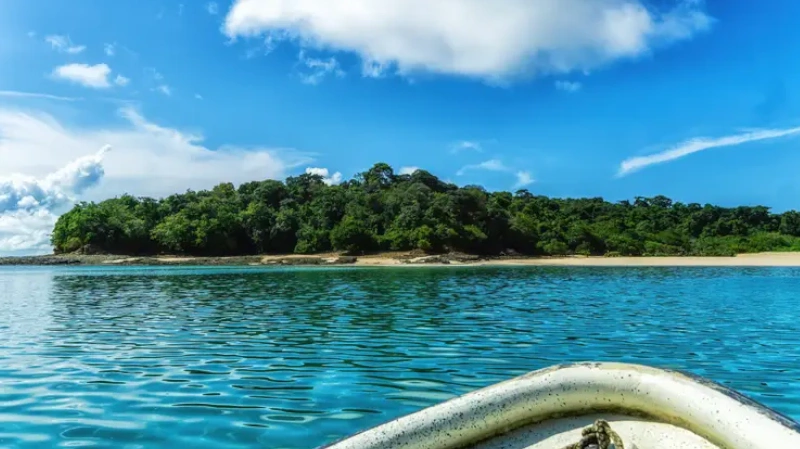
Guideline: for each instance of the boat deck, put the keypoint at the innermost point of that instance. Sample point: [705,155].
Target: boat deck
[556,434]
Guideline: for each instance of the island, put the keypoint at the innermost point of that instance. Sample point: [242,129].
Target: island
[406,218]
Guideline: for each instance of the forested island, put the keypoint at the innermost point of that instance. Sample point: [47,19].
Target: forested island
[380,210]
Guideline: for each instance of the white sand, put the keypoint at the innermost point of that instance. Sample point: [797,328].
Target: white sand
[742,260]
[377,261]
[397,260]
[122,261]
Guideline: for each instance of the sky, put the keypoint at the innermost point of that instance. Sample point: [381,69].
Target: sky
[692,99]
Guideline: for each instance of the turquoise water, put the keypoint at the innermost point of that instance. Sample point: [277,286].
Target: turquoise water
[295,358]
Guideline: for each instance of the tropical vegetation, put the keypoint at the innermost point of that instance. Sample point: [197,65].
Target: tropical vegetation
[380,210]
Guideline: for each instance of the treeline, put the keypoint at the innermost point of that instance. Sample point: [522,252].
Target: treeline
[380,210]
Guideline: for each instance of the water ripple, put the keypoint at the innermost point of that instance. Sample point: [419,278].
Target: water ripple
[294,358]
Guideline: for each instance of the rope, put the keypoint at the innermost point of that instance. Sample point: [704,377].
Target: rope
[598,436]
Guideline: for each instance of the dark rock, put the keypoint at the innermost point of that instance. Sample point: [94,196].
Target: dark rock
[460,257]
[340,260]
[89,250]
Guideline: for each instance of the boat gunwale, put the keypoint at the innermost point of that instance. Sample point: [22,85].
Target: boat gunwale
[772,414]
[749,403]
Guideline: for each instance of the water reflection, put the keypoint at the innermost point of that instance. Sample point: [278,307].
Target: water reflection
[293,358]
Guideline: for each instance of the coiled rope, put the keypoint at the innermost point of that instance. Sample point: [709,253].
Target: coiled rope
[598,436]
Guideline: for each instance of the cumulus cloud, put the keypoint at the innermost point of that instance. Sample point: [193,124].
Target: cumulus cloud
[110,49]
[24,232]
[19,192]
[164,89]
[334,179]
[408,170]
[315,69]
[212,8]
[698,144]
[29,205]
[94,76]
[466,145]
[490,165]
[475,38]
[524,178]
[64,44]
[144,162]
[568,86]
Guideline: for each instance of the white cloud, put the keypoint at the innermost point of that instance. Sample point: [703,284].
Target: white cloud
[143,162]
[110,49]
[408,170]
[490,165]
[568,86]
[19,192]
[18,94]
[164,89]
[698,144]
[198,96]
[121,80]
[524,178]
[334,179]
[29,205]
[94,76]
[374,69]
[475,38]
[466,145]
[26,232]
[318,68]
[212,8]
[64,44]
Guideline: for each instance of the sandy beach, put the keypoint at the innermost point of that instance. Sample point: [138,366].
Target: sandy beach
[409,260]
[742,260]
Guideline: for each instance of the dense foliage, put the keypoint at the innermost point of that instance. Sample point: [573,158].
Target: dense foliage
[379,210]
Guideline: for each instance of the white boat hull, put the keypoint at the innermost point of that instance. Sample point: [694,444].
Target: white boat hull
[649,408]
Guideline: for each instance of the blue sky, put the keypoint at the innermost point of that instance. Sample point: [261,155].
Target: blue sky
[615,98]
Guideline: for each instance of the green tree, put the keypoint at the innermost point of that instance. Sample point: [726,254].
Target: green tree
[352,235]
[379,209]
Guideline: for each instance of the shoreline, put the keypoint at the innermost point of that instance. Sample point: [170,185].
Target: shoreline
[789,259]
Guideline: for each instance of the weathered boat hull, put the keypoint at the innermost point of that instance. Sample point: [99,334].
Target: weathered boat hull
[526,412]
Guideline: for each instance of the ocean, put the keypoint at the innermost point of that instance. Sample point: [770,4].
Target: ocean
[129,357]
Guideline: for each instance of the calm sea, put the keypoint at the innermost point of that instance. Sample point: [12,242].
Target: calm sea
[294,358]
